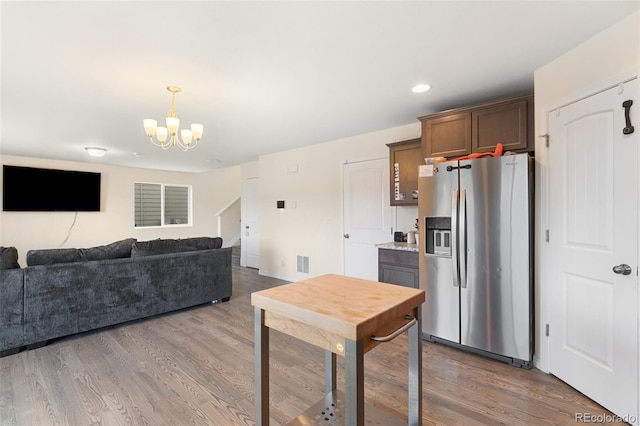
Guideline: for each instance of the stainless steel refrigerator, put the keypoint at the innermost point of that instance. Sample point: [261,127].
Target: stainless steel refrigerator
[476,255]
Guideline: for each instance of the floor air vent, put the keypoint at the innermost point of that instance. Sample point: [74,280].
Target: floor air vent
[303,264]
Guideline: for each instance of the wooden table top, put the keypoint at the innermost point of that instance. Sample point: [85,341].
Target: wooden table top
[350,307]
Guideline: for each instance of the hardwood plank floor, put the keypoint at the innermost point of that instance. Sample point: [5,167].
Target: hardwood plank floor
[196,367]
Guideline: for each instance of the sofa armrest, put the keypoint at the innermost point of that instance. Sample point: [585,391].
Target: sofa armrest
[11,309]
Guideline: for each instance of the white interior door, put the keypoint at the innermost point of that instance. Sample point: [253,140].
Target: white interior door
[367,219]
[250,249]
[593,228]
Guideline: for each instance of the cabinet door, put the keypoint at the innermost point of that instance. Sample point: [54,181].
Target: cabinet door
[507,124]
[398,267]
[400,275]
[404,159]
[447,136]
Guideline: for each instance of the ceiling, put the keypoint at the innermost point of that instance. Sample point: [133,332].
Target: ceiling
[262,76]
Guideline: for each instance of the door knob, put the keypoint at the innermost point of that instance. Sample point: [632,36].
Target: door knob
[623,269]
[346,235]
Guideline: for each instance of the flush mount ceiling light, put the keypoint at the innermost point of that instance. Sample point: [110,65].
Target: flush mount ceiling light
[190,138]
[420,88]
[96,152]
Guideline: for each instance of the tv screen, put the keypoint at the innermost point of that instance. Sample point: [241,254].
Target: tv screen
[32,189]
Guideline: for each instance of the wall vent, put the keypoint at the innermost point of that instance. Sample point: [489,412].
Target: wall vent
[303,264]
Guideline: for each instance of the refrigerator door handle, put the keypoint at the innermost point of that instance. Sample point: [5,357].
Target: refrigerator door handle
[463,238]
[454,237]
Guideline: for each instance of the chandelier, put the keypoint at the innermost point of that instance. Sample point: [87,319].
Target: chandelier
[190,138]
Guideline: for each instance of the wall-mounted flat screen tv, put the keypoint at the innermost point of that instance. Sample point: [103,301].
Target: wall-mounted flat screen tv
[39,190]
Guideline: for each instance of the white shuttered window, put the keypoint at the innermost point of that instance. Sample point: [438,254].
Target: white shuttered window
[157,204]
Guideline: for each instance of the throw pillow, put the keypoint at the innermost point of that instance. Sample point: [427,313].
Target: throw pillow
[8,258]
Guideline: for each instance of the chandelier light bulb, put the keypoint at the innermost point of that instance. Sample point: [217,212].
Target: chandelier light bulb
[196,130]
[150,126]
[161,134]
[188,138]
[173,123]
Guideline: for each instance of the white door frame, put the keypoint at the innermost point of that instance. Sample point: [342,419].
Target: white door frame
[543,279]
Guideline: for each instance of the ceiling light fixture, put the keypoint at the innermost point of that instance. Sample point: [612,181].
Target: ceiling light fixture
[96,152]
[420,88]
[190,138]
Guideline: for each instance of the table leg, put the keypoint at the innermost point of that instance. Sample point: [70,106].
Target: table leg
[329,372]
[261,347]
[415,370]
[354,386]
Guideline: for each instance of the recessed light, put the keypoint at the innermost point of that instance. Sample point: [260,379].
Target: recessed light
[137,153]
[420,88]
[96,152]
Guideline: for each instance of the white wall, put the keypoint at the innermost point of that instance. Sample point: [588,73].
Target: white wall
[115,221]
[609,54]
[314,226]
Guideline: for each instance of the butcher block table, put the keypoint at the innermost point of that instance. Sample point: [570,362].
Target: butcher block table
[346,317]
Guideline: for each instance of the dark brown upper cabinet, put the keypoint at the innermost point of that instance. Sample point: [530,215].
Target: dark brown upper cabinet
[448,135]
[480,128]
[404,159]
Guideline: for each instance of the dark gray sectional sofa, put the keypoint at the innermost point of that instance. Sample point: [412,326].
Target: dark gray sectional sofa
[70,291]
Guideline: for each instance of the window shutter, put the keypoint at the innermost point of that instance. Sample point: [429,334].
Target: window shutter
[147,204]
[176,205]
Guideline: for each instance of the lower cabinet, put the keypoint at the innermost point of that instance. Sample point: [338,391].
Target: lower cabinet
[398,267]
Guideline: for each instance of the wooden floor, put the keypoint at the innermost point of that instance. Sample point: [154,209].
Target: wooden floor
[196,367]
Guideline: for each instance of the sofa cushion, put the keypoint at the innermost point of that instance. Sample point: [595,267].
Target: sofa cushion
[166,246]
[8,258]
[114,250]
[204,243]
[52,256]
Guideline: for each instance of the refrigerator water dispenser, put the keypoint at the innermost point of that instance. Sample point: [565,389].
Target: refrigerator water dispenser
[438,235]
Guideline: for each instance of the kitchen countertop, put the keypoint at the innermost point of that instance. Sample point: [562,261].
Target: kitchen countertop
[398,246]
